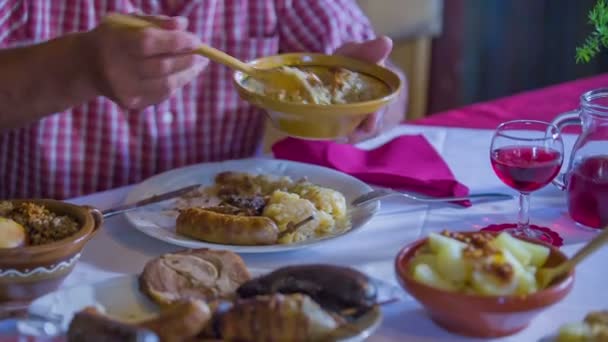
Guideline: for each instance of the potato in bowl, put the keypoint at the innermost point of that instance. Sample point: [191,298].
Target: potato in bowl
[474,295]
[481,264]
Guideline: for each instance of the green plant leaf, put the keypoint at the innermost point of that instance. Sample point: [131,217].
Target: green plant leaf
[598,38]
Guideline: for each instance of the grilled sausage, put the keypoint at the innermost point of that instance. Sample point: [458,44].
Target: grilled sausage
[336,288]
[211,226]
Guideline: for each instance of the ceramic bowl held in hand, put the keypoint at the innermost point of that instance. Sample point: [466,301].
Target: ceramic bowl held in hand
[33,270]
[331,120]
[481,315]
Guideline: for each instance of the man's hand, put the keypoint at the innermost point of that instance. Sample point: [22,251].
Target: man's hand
[373,51]
[140,67]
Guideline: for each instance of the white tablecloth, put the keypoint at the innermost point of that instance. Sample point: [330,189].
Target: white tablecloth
[120,249]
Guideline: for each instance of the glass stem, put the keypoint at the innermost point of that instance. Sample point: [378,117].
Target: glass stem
[524,211]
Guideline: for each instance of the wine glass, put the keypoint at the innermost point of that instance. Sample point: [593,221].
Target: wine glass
[526,155]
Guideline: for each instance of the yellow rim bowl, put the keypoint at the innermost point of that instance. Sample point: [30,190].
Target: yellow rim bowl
[313,121]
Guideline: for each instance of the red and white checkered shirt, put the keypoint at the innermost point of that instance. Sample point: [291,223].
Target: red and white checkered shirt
[97,145]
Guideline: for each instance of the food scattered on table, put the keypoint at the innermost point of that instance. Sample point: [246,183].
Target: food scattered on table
[40,224]
[481,263]
[201,274]
[204,302]
[327,85]
[248,209]
[593,328]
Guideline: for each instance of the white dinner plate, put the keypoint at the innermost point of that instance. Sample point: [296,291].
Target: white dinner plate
[121,299]
[158,220]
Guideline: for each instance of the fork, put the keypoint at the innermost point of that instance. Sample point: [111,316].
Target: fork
[381,193]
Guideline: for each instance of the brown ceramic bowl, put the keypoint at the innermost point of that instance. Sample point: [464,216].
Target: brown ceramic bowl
[31,271]
[315,121]
[481,316]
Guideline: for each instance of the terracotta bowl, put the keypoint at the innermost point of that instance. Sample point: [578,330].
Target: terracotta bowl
[31,271]
[313,121]
[481,316]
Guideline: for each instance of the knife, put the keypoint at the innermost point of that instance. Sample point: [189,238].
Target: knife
[147,201]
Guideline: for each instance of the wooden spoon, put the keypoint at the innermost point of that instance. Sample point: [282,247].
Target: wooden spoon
[546,275]
[276,78]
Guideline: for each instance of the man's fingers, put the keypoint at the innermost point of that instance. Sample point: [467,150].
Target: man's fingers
[156,90]
[373,51]
[156,67]
[369,125]
[152,41]
[165,22]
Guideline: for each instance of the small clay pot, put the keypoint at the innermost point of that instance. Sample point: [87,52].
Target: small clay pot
[31,271]
[476,315]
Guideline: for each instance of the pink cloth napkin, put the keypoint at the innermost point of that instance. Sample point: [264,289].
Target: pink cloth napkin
[405,163]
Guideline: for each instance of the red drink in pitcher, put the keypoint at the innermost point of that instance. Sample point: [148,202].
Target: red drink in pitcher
[526,168]
[587,186]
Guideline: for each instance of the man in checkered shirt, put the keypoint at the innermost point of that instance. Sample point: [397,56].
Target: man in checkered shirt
[85,106]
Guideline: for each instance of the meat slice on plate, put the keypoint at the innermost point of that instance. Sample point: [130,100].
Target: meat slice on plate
[193,274]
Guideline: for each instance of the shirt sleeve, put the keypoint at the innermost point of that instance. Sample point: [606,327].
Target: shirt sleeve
[13,15]
[320,25]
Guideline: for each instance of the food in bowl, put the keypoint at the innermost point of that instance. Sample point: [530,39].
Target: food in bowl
[253,209]
[479,264]
[593,328]
[295,303]
[40,224]
[323,121]
[55,234]
[475,314]
[328,85]
[12,234]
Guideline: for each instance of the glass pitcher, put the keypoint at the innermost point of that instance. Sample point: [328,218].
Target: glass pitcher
[586,179]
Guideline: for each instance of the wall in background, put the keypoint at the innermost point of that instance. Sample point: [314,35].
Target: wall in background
[495,48]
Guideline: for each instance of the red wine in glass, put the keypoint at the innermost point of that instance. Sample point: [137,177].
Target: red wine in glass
[526,168]
[526,155]
[588,192]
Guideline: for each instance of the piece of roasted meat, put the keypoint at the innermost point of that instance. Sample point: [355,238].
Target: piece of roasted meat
[339,289]
[180,320]
[89,325]
[278,317]
[200,274]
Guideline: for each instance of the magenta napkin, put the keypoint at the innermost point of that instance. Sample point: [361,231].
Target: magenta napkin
[407,162]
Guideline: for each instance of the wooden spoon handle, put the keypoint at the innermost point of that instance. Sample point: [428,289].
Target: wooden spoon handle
[205,50]
[587,250]
[224,58]
[128,21]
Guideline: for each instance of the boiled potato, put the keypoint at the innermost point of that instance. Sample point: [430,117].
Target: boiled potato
[488,284]
[12,234]
[527,253]
[423,273]
[539,253]
[441,263]
[438,242]
[423,258]
[506,241]
[526,281]
[452,266]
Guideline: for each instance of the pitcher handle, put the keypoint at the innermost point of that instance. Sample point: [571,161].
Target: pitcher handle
[563,120]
